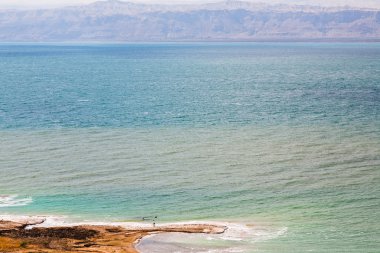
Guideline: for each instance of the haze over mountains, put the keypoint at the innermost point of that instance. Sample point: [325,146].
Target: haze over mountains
[225,21]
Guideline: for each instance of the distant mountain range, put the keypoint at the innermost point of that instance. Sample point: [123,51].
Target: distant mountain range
[225,21]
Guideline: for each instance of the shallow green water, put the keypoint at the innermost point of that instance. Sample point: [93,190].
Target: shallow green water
[282,137]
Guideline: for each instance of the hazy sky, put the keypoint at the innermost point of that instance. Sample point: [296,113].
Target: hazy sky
[54,3]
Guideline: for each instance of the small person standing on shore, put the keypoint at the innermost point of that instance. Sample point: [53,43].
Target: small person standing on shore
[154,221]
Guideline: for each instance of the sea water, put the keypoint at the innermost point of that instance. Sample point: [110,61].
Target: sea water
[280,141]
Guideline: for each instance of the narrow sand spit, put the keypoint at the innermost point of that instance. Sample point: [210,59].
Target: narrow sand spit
[15,236]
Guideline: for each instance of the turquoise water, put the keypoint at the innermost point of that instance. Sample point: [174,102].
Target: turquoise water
[283,138]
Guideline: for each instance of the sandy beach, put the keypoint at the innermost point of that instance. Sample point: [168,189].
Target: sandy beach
[31,236]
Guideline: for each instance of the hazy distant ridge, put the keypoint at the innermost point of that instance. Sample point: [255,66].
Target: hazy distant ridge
[230,20]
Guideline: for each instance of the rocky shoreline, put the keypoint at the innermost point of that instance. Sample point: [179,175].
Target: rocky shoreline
[26,237]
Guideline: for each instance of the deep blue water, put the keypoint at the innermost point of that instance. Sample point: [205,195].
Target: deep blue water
[49,86]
